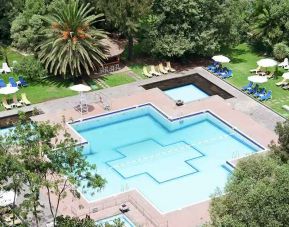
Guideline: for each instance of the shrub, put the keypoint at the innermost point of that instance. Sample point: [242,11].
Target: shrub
[280,51]
[31,68]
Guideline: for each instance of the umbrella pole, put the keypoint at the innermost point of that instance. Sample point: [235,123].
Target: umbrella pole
[81,106]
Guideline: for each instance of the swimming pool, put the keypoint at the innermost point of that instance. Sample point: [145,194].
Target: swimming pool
[173,163]
[121,217]
[186,93]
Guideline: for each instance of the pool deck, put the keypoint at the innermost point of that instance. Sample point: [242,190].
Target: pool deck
[242,112]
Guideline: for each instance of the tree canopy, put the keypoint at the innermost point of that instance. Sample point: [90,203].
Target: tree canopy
[257,192]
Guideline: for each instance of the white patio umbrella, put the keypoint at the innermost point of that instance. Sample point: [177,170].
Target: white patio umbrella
[221,59]
[8,90]
[6,198]
[81,88]
[258,79]
[286,76]
[267,62]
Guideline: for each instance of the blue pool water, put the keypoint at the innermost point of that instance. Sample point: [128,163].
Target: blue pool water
[186,93]
[172,163]
[122,217]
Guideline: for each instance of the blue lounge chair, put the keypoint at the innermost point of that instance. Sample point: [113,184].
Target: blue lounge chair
[266,96]
[260,92]
[228,74]
[249,85]
[253,90]
[12,82]
[2,83]
[22,82]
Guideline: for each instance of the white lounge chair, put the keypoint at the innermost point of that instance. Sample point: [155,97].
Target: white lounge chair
[146,73]
[6,68]
[284,64]
[154,72]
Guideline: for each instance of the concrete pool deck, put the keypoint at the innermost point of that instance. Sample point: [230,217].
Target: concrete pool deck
[242,112]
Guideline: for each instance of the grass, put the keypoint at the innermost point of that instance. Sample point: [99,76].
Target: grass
[113,80]
[138,69]
[243,58]
[40,90]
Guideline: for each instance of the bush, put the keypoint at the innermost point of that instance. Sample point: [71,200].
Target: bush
[280,51]
[31,68]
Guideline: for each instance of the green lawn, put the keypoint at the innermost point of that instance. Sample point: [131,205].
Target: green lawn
[138,69]
[113,80]
[39,90]
[243,58]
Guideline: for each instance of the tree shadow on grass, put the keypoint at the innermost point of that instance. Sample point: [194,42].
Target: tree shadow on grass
[52,81]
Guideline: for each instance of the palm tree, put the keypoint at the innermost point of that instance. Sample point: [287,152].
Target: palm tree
[72,46]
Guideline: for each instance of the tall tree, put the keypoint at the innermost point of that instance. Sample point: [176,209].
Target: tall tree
[191,26]
[256,195]
[42,160]
[125,16]
[72,46]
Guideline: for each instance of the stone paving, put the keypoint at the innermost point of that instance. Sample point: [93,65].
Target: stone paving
[244,113]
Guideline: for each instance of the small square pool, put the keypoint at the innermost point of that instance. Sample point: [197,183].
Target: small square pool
[186,93]
[120,218]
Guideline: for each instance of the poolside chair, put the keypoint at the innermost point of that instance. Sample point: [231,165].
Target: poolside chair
[249,85]
[24,100]
[146,73]
[22,82]
[162,69]
[282,83]
[212,66]
[285,63]
[228,74]
[169,67]
[258,69]
[15,102]
[154,72]
[270,75]
[12,82]
[285,107]
[5,104]
[2,83]
[6,68]
[266,96]
[253,90]
[260,92]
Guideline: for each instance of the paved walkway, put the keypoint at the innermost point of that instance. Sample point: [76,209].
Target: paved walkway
[242,112]
[240,102]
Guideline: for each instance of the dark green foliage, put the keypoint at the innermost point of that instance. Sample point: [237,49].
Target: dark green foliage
[282,148]
[269,23]
[72,45]
[256,195]
[186,26]
[280,51]
[27,28]
[75,222]
[30,68]
[125,16]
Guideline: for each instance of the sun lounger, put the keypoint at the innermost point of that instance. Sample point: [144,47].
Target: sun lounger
[253,90]
[6,68]
[285,107]
[260,92]
[154,72]
[285,87]
[284,81]
[226,75]
[15,102]
[250,84]
[270,76]
[162,69]
[24,100]
[169,67]
[12,82]
[285,63]
[258,69]
[5,104]
[22,82]
[146,73]
[2,83]
[266,96]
